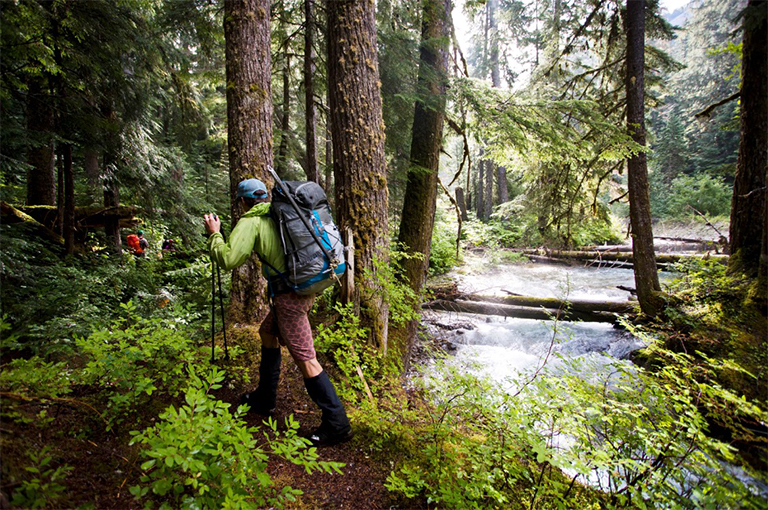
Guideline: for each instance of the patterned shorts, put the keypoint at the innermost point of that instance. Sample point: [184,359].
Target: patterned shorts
[293,329]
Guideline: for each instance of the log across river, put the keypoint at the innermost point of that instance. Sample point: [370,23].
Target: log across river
[530,307]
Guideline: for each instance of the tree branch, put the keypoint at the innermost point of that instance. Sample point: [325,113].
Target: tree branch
[707,112]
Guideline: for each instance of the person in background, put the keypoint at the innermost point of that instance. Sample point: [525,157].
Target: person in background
[287,323]
[143,243]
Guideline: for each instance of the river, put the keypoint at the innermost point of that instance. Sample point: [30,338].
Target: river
[508,350]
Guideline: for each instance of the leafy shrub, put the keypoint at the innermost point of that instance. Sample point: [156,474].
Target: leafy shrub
[346,341]
[442,255]
[134,357]
[403,301]
[32,380]
[43,489]
[87,290]
[495,234]
[203,456]
[638,437]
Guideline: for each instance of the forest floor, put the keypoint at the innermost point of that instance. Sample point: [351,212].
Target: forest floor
[105,466]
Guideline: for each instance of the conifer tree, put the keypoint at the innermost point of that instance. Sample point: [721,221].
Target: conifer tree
[358,148]
[748,222]
[249,120]
[644,259]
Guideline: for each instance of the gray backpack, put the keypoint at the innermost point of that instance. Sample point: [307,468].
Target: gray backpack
[312,244]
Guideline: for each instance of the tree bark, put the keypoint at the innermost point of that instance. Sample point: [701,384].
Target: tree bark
[281,165]
[69,201]
[488,204]
[309,93]
[41,175]
[418,218]
[480,194]
[91,167]
[462,203]
[646,275]
[501,184]
[748,223]
[249,123]
[358,148]
[111,199]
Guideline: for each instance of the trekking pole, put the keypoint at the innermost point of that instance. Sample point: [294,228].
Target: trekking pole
[223,322]
[332,260]
[214,274]
[213,312]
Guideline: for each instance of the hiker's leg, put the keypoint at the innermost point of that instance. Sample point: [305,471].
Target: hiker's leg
[263,399]
[309,368]
[267,331]
[293,323]
[334,427]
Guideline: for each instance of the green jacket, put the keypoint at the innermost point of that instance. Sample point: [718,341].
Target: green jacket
[254,232]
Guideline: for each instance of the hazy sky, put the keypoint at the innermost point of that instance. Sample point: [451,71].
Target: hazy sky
[671,5]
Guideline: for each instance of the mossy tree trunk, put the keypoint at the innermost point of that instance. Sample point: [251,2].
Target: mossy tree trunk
[646,274]
[418,216]
[249,124]
[358,147]
[748,220]
[310,112]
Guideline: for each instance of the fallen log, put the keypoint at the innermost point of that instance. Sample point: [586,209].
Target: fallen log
[558,304]
[11,214]
[663,258]
[519,312]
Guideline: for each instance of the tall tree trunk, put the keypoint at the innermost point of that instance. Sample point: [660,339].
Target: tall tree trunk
[462,203]
[480,202]
[109,183]
[60,192]
[646,275]
[418,218]
[41,176]
[328,158]
[309,93]
[501,184]
[748,226]
[281,165]
[91,167]
[111,194]
[69,200]
[358,148]
[249,124]
[488,205]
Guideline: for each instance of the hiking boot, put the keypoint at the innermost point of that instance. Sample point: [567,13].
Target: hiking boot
[334,426]
[263,399]
[257,404]
[322,437]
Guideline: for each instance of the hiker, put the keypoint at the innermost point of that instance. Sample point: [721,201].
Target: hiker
[287,322]
[136,243]
[169,245]
[143,243]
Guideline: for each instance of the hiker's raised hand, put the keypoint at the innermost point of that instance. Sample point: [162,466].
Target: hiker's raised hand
[212,223]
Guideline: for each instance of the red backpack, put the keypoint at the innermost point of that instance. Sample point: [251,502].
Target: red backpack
[133,243]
